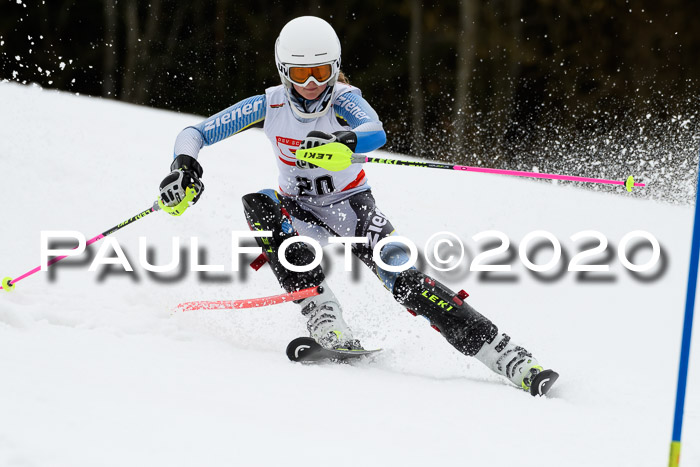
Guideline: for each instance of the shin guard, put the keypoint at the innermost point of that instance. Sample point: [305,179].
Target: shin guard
[264,213]
[463,327]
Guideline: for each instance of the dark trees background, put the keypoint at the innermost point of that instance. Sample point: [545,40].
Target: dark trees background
[494,82]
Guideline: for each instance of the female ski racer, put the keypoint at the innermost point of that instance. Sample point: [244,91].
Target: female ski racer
[315,105]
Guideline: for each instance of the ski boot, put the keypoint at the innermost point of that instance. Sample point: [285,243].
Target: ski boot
[516,364]
[325,321]
[469,331]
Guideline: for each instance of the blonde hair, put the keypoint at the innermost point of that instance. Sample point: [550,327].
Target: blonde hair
[342,78]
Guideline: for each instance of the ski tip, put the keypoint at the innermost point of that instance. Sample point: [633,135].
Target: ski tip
[298,346]
[7,284]
[543,382]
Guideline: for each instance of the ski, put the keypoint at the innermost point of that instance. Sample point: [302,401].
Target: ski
[543,382]
[249,303]
[307,350]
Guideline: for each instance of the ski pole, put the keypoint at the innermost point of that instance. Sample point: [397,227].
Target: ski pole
[629,183]
[337,156]
[8,284]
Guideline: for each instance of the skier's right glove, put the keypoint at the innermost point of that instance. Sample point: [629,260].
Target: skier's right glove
[182,186]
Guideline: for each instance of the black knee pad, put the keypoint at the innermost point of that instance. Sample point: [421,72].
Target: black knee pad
[463,327]
[263,213]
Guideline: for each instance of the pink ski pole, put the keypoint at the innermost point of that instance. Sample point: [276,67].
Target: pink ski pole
[629,183]
[8,283]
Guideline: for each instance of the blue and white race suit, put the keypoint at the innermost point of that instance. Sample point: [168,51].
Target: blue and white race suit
[322,203]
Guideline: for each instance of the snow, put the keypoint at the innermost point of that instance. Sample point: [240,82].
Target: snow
[98,368]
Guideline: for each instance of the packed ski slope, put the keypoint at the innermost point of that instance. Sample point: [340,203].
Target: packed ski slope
[96,368]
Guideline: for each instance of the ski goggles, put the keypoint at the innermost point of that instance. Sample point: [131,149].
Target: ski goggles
[303,74]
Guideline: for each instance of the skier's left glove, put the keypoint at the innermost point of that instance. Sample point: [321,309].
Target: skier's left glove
[317,138]
[182,186]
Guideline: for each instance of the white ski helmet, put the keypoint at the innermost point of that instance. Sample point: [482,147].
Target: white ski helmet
[308,49]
